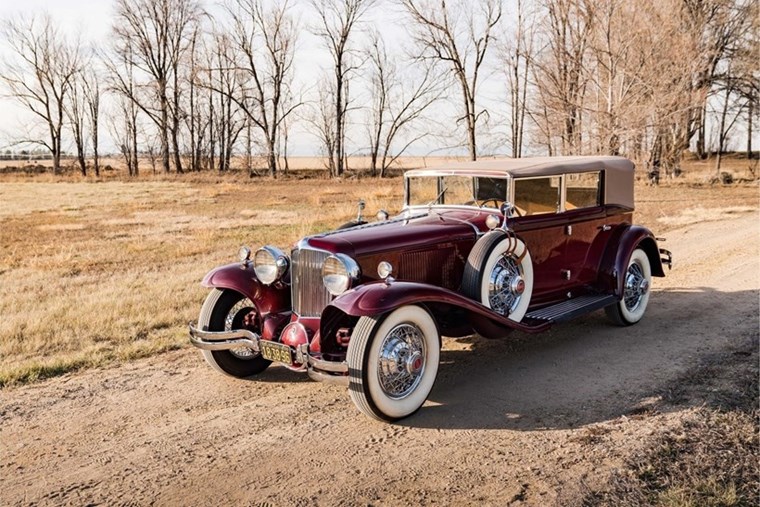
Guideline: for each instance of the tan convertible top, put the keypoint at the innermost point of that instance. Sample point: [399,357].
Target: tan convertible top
[618,171]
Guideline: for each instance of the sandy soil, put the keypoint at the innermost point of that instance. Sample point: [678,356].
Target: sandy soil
[524,421]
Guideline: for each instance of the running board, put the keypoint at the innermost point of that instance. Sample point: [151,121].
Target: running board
[572,308]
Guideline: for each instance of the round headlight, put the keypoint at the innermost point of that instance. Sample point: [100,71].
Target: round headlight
[269,264]
[244,254]
[492,221]
[384,269]
[339,272]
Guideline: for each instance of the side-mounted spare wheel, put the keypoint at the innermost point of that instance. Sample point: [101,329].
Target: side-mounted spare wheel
[499,274]
[392,362]
[225,310]
[636,284]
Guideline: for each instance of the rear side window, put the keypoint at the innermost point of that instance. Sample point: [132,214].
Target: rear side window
[583,190]
[536,196]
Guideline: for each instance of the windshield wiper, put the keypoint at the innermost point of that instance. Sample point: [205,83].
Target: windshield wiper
[430,204]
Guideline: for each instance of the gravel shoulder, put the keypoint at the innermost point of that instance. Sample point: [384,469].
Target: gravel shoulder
[531,420]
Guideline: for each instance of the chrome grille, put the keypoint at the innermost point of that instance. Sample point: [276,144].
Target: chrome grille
[308,292]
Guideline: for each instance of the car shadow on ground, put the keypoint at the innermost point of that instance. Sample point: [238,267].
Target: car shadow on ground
[586,371]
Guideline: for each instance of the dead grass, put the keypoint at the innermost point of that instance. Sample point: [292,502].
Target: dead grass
[711,458]
[99,271]
[96,273]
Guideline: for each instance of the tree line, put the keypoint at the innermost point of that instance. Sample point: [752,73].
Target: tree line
[188,90]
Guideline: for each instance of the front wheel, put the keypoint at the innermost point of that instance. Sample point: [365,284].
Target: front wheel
[392,362]
[225,310]
[638,280]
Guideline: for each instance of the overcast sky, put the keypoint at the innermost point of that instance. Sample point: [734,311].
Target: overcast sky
[93,19]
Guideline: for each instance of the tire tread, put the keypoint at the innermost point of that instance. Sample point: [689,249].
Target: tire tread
[357,366]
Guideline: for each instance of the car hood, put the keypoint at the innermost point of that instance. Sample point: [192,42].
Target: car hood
[412,230]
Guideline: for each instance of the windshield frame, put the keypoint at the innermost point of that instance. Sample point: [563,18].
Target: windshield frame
[439,175]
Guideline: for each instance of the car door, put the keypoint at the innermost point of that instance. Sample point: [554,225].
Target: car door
[585,225]
[537,204]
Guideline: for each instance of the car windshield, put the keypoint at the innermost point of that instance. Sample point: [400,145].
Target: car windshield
[456,191]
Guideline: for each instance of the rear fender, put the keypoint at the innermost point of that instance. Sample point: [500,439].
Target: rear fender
[618,253]
[268,298]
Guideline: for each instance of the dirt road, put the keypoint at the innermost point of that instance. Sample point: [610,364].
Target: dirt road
[529,420]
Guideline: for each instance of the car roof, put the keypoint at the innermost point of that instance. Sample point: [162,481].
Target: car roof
[618,171]
[529,166]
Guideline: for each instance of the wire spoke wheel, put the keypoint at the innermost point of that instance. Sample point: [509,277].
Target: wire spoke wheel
[506,285]
[227,310]
[236,319]
[636,285]
[499,274]
[392,362]
[401,362]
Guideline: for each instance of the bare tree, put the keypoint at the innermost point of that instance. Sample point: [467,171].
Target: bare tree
[338,19]
[39,75]
[123,124]
[76,112]
[438,36]
[264,42]
[562,69]
[226,82]
[517,53]
[156,33]
[399,99]
[91,89]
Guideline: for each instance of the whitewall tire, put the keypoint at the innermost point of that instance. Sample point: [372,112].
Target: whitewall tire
[637,283]
[499,274]
[392,362]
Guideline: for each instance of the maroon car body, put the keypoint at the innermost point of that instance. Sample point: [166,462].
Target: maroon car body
[487,247]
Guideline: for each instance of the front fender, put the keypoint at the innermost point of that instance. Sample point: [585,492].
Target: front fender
[378,298]
[619,249]
[268,298]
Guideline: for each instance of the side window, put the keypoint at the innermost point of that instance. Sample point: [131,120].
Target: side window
[535,196]
[583,190]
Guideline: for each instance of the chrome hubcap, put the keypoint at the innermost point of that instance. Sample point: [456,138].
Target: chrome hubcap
[506,285]
[636,286]
[401,363]
[234,320]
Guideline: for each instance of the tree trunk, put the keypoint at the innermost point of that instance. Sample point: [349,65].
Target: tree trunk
[339,124]
[701,150]
[164,128]
[95,157]
[750,113]
[722,132]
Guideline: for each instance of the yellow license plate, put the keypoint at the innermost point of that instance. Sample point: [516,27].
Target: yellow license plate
[274,351]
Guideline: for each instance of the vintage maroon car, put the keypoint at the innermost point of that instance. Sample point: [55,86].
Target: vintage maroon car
[485,247]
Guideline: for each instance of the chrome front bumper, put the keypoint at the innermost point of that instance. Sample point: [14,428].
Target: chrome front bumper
[317,369]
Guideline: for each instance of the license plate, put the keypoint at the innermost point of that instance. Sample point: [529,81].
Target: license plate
[274,351]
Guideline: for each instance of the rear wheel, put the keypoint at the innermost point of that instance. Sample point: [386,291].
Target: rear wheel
[226,310]
[638,280]
[392,362]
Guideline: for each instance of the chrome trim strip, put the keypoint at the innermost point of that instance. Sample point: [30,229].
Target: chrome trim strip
[327,369]
[223,340]
[330,366]
[339,380]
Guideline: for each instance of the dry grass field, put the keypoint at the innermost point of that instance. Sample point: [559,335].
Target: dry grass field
[101,272]
[98,271]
